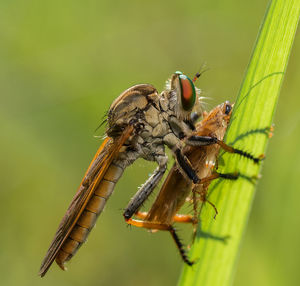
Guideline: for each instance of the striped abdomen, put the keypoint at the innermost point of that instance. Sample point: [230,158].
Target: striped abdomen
[89,216]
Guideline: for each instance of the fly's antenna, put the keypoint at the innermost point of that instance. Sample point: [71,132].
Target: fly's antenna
[104,122]
[197,75]
[202,70]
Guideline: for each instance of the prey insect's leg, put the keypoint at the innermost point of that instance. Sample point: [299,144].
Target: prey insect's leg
[203,193]
[203,198]
[146,189]
[213,206]
[195,216]
[166,227]
[206,140]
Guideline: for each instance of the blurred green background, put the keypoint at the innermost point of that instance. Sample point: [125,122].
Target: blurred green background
[61,65]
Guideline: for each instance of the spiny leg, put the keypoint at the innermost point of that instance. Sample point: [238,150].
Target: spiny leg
[143,193]
[180,246]
[185,166]
[206,140]
[165,227]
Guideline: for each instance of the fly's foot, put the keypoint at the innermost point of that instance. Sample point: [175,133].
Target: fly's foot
[271,131]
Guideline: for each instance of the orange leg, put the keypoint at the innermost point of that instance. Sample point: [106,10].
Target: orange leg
[183,218]
[148,224]
[166,227]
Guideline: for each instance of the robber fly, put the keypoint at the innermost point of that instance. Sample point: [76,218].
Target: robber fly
[140,123]
[176,188]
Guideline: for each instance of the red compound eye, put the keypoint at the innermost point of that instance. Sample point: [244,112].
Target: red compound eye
[188,92]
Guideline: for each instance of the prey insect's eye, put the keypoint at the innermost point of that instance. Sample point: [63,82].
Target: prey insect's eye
[188,91]
[227,108]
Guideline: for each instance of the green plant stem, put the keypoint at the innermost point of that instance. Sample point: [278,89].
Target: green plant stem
[216,247]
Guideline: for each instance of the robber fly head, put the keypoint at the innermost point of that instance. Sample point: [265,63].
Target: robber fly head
[183,94]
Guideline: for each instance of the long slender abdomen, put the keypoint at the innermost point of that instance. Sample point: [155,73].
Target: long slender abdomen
[89,216]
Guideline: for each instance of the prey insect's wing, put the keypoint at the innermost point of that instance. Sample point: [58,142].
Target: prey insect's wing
[172,196]
[106,153]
